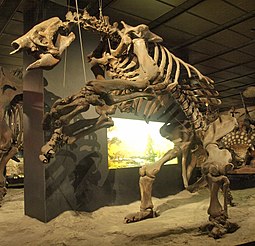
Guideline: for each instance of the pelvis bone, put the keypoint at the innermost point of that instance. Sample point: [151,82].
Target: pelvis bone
[45,43]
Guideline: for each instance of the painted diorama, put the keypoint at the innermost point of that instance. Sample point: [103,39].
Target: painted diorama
[135,74]
[150,145]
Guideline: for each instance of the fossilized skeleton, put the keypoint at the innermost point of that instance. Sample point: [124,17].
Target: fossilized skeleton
[144,76]
[10,120]
[241,141]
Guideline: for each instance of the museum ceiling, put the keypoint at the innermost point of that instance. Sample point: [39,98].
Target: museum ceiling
[217,36]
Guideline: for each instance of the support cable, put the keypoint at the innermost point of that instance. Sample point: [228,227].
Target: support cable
[100,4]
[81,44]
[65,56]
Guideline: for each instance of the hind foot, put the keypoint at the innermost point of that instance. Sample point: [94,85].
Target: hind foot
[218,227]
[142,215]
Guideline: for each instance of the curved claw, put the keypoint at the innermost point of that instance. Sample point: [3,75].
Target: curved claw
[44,159]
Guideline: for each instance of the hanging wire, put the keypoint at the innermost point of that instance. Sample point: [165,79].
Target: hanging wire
[65,68]
[100,7]
[81,44]
[65,57]
[100,4]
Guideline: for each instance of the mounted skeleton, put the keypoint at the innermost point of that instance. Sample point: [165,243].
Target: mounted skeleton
[144,76]
[241,141]
[10,120]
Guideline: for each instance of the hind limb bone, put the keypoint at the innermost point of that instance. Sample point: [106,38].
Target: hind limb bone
[147,177]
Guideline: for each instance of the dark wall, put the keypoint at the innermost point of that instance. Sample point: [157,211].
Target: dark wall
[34,182]
[79,178]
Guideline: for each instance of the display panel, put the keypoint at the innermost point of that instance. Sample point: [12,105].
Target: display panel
[134,143]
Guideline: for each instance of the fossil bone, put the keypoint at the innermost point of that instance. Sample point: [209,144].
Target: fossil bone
[10,121]
[241,141]
[39,41]
[142,72]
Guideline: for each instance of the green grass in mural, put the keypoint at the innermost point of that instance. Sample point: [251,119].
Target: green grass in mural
[133,143]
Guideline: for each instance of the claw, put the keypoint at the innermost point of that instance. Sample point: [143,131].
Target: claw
[43,159]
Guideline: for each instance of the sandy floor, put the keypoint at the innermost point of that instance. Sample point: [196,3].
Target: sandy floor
[181,215]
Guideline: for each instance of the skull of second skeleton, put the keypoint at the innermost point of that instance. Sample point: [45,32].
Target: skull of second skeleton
[240,153]
[45,43]
[10,86]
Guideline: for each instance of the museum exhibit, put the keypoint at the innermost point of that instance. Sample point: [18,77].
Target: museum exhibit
[127,122]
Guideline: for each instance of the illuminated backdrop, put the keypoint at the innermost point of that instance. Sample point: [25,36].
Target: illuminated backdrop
[133,143]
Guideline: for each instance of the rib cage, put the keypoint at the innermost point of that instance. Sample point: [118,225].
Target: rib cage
[14,119]
[193,94]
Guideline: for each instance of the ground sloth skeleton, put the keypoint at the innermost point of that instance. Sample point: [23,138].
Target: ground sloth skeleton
[144,77]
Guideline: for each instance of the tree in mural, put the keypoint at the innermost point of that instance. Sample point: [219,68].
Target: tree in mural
[150,153]
[114,148]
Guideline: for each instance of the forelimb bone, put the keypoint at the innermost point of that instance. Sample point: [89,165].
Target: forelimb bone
[4,158]
[105,86]
[7,151]
[69,133]
[101,122]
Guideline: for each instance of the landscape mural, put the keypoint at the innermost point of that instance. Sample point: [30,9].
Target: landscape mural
[133,143]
